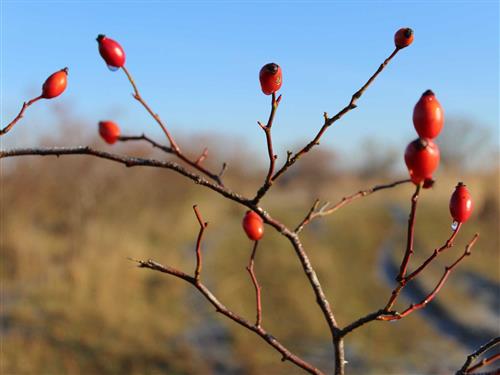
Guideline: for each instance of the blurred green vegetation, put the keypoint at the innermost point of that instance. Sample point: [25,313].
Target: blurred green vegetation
[72,303]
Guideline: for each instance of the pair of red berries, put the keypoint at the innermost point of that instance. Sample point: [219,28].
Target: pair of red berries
[422,155]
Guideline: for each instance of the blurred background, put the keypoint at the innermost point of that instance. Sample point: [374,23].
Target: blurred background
[71,302]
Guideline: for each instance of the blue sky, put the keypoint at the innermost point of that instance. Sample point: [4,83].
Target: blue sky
[197,64]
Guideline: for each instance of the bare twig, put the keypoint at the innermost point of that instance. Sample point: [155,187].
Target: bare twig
[402,282]
[203,226]
[435,253]
[435,291]
[362,321]
[410,234]
[287,355]
[143,137]
[272,157]
[327,209]
[19,115]
[258,302]
[329,121]
[173,145]
[485,362]
[476,354]
[129,162]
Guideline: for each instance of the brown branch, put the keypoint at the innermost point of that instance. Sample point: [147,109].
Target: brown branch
[287,355]
[435,253]
[155,116]
[402,283]
[435,291]
[19,115]
[485,362]
[258,302]
[476,354]
[272,157]
[362,321]
[227,193]
[329,121]
[203,226]
[130,162]
[173,145]
[410,234]
[326,209]
[143,137]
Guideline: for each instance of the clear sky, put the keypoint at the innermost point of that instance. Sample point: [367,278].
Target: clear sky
[197,64]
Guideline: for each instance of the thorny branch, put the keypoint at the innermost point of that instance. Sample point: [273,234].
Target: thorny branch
[19,115]
[327,209]
[175,149]
[466,368]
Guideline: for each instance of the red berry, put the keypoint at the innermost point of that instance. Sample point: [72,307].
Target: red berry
[270,78]
[109,131]
[403,37]
[428,116]
[253,225]
[55,84]
[422,159]
[111,51]
[461,203]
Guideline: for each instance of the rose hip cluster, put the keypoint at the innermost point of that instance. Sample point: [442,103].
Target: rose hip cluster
[422,154]
[270,77]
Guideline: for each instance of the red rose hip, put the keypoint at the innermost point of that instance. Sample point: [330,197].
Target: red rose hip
[109,131]
[461,203]
[270,77]
[253,225]
[403,37]
[422,159]
[111,51]
[55,84]
[428,116]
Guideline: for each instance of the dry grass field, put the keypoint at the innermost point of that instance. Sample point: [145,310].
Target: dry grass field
[72,303]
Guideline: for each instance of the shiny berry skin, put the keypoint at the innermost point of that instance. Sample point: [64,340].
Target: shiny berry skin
[253,225]
[422,159]
[270,77]
[461,203]
[403,37]
[109,131]
[111,51]
[428,116]
[55,84]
